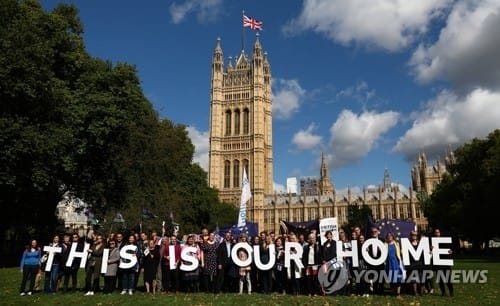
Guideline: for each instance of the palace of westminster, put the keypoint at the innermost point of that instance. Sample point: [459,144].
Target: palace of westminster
[241,138]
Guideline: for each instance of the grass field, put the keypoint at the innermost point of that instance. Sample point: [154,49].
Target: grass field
[465,294]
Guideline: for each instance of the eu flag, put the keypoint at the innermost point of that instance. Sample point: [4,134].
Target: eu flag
[299,228]
[118,218]
[251,229]
[399,228]
[146,214]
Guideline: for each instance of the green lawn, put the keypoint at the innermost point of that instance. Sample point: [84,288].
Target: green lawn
[465,294]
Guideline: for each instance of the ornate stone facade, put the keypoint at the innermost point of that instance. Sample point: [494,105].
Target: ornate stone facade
[386,201]
[425,177]
[241,137]
[241,128]
[71,211]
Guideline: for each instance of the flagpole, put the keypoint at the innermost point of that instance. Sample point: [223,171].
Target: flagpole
[140,223]
[110,230]
[242,31]
[246,194]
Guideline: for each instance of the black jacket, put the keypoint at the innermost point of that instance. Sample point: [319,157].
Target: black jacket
[222,258]
[317,254]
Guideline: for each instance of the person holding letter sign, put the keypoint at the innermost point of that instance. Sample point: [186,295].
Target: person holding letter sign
[129,265]
[112,269]
[53,261]
[94,265]
[443,272]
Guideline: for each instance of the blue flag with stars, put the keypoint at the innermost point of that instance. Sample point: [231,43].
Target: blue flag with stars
[400,229]
[251,229]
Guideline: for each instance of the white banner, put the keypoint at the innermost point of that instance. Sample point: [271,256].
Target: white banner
[246,194]
[328,224]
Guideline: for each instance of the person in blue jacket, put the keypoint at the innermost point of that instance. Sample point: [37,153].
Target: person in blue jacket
[29,266]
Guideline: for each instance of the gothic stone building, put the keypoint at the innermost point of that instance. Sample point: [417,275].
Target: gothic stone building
[241,128]
[241,138]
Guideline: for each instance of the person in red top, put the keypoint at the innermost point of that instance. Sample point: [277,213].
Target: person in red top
[170,276]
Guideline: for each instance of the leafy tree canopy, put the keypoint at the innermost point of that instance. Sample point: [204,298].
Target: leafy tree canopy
[358,216]
[464,202]
[72,122]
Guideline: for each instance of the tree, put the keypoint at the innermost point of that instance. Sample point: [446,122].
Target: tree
[41,56]
[465,200]
[223,214]
[73,123]
[358,216]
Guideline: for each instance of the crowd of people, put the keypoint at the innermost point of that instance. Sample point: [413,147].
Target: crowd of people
[217,272]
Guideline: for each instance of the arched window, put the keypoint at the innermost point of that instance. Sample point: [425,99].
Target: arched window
[246,119]
[245,166]
[228,122]
[227,174]
[237,122]
[236,173]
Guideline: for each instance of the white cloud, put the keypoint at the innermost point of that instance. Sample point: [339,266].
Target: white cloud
[286,98]
[279,188]
[466,52]
[305,139]
[206,10]
[386,24]
[201,144]
[450,119]
[354,190]
[361,92]
[353,136]
[402,188]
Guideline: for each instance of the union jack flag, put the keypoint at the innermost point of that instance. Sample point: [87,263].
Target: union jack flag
[252,23]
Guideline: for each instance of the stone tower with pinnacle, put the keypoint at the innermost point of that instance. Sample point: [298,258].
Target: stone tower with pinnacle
[387,180]
[241,127]
[325,183]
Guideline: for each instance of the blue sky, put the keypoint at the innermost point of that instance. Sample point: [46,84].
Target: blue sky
[370,83]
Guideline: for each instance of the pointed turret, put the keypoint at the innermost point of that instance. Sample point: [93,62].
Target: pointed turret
[217,67]
[257,54]
[217,60]
[257,47]
[216,111]
[424,161]
[257,60]
[267,71]
[415,178]
[387,180]
[242,61]
[451,159]
[325,183]
[324,167]
[217,72]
